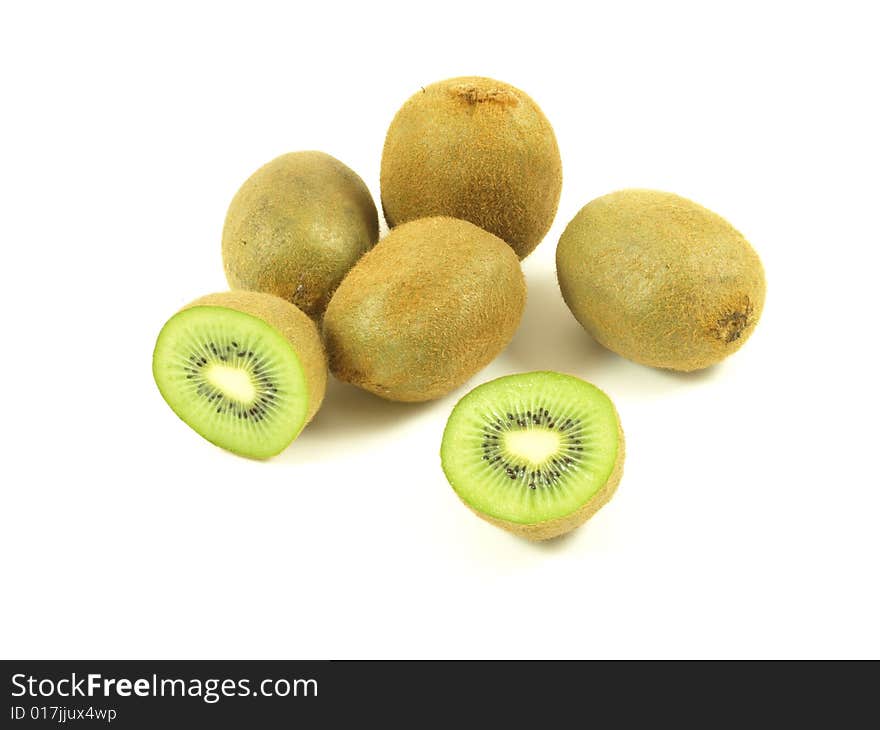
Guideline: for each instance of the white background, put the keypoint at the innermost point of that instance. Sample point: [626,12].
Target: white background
[746,524]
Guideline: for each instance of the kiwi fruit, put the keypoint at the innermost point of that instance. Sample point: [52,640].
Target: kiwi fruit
[536,453]
[296,227]
[660,279]
[245,370]
[434,302]
[477,149]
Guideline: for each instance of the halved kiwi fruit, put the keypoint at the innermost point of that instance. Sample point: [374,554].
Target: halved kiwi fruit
[536,453]
[245,370]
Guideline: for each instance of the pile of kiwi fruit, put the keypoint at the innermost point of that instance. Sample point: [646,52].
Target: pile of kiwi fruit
[470,182]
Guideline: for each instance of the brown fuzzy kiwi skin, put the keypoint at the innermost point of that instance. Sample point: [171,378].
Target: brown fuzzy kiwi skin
[660,280]
[550,529]
[296,327]
[434,302]
[295,228]
[476,149]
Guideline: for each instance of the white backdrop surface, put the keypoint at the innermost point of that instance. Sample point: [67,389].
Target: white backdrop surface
[746,521]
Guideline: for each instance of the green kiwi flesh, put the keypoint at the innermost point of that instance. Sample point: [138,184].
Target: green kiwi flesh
[535,453]
[244,370]
[295,228]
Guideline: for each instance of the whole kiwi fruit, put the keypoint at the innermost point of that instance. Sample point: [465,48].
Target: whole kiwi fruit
[660,279]
[245,370]
[295,228]
[477,149]
[434,302]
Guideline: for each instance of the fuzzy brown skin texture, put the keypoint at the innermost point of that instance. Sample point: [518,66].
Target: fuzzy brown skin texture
[296,227]
[555,528]
[660,280]
[476,149]
[291,322]
[434,302]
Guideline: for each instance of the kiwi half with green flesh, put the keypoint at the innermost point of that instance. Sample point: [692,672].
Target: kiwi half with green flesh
[295,228]
[245,370]
[660,279]
[536,453]
[477,149]
[434,302]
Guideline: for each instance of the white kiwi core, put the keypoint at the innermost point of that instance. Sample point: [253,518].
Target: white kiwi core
[235,383]
[534,445]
